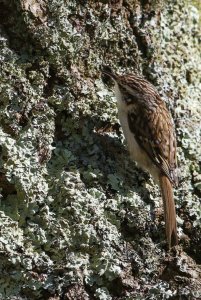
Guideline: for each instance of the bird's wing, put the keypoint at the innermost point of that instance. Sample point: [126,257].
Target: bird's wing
[155,134]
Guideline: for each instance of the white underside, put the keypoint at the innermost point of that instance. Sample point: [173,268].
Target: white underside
[136,152]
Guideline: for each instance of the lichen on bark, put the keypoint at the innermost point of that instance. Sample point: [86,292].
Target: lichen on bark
[78,219]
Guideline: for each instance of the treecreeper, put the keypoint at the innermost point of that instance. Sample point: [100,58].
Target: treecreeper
[149,131]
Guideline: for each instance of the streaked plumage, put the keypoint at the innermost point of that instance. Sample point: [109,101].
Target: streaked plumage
[149,131]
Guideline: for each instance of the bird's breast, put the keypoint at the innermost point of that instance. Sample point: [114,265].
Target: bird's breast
[136,152]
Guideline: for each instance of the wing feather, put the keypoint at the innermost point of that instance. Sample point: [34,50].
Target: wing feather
[155,134]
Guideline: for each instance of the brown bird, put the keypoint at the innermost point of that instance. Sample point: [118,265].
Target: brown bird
[151,139]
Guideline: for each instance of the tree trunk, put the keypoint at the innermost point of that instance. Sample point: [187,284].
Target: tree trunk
[78,219]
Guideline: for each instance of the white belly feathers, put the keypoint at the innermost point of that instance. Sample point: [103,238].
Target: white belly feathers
[136,152]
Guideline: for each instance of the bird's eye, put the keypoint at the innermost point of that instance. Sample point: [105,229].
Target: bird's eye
[128,100]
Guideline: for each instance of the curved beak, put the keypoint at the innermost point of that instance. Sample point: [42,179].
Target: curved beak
[106,70]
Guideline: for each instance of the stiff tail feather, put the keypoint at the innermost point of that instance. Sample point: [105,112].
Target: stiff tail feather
[169,211]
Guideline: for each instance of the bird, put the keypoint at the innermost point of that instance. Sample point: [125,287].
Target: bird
[151,139]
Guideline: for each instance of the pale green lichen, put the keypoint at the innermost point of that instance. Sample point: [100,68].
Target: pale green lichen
[75,211]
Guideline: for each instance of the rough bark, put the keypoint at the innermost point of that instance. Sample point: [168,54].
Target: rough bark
[78,220]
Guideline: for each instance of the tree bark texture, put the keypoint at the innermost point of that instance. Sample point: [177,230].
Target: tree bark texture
[78,219]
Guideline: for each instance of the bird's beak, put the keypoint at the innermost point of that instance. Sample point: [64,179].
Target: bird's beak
[108,72]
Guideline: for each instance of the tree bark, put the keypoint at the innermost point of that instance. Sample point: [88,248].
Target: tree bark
[78,219]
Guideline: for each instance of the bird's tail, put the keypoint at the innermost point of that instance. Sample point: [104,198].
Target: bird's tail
[169,211]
